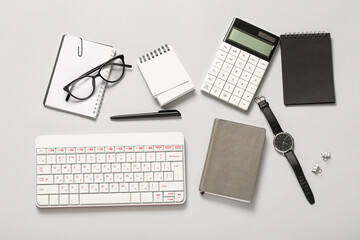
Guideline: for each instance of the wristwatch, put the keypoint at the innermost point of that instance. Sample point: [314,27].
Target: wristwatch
[284,143]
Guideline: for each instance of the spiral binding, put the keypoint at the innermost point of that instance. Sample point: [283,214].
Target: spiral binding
[305,34]
[102,89]
[161,50]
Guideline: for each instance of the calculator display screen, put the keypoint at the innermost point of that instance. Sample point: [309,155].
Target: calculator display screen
[251,42]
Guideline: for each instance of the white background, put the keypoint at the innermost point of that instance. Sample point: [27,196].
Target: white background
[30,34]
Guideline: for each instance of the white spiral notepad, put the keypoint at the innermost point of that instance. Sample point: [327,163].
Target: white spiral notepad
[75,57]
[165,75]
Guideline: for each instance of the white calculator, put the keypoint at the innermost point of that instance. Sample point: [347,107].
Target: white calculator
[240,64]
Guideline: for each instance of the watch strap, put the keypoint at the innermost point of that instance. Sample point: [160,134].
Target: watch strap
[265,108]
[291,157]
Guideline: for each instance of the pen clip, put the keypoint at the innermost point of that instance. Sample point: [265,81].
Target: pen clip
[171,112]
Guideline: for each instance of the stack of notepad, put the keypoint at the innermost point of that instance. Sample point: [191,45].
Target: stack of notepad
[165,75]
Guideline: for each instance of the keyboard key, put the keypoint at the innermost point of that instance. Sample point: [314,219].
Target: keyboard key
[146,197]
[171,186]
[179,196]
[44,169]
[109,198]
[177,167]
[54,199]
[47,189]
[42,199]
[41,159]
[174,156]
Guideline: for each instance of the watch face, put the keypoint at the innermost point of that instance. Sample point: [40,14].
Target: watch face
[283,142]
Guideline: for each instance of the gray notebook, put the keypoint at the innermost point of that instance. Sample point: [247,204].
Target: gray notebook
[232,160]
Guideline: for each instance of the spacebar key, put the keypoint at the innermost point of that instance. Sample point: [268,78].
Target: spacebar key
[109,198]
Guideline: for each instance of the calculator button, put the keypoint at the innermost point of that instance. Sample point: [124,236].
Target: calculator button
[249,67]
[225,47]
[234,100]
[219,83]
[210,78]
[240,63]
[206,87]
[245,75]
[251,88]
[229,87]
[262,64]
[214,71]
[253,59]
[236,71]
[233,79]
[259,72]
[223,75]
[217,63]
[244,55]
[227,67]
[238,92]
[231,59]
[221,55]
[234,51]
[255,80]
[244,104]
[242,84]
[225,96]
[215,91]
[248,96]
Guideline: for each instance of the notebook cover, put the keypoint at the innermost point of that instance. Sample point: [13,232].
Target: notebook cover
[232,160]
[307,68]
[68,66]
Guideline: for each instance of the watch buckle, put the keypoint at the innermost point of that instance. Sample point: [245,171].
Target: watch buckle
[259,98]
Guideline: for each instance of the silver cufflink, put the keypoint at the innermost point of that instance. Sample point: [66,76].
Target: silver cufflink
[326,156]
[316,169]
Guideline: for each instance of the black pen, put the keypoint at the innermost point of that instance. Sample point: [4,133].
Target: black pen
[158,114]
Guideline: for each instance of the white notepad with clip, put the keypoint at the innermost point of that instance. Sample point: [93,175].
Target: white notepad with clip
[165,75]
[75,57]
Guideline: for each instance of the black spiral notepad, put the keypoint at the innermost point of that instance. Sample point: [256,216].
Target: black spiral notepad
[307,68]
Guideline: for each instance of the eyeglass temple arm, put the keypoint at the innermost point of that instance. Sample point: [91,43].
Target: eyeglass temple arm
[93,70]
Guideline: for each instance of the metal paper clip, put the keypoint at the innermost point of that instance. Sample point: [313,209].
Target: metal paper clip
[80,48]
[326,156]
[316,169]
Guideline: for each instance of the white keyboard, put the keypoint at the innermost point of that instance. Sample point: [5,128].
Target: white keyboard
[234,76]
[110,170]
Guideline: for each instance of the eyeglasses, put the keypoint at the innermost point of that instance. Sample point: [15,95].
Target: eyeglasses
[84,86]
